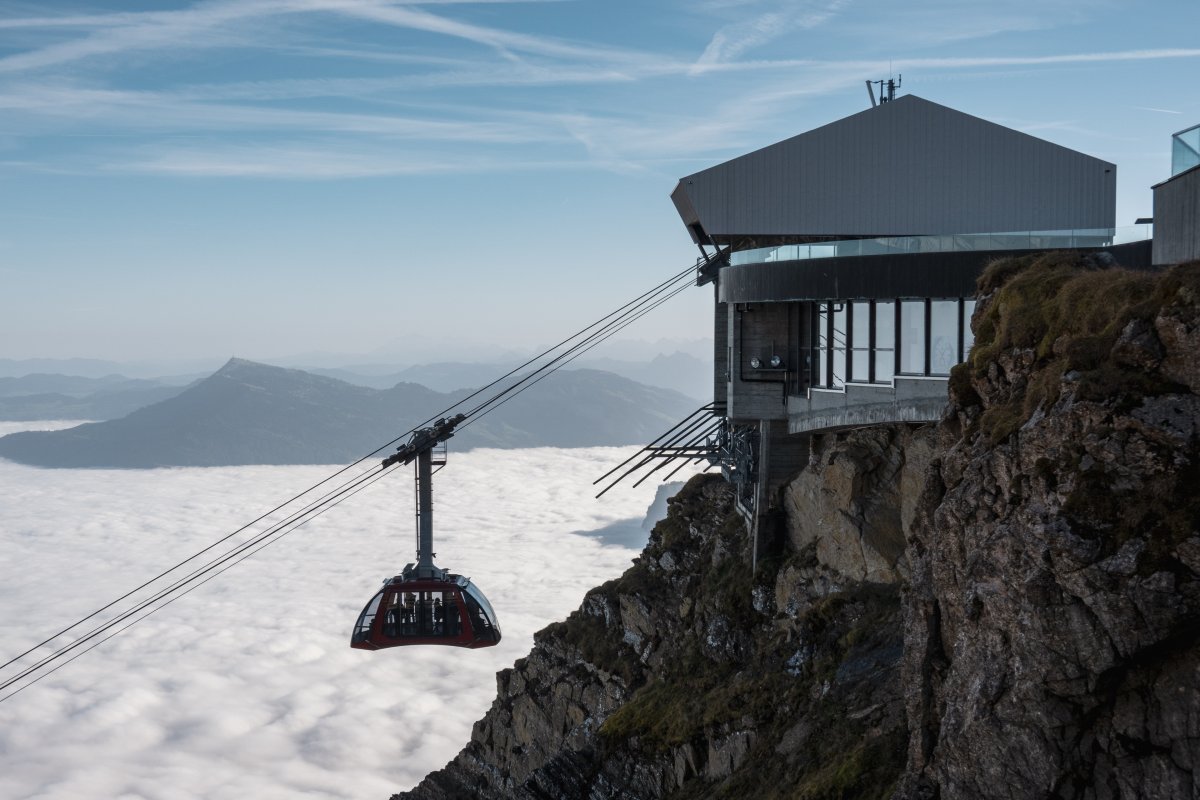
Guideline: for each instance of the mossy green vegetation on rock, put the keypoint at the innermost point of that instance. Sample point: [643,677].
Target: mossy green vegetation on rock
[1061,316]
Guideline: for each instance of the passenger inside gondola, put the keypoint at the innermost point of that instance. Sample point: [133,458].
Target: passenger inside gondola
[438,612]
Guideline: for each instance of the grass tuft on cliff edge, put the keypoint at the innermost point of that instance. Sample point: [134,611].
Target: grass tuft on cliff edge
[1066,311]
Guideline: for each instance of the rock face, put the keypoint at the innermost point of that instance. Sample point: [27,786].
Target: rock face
[1053,616]
[1004,606]
[856,501]
[688,677]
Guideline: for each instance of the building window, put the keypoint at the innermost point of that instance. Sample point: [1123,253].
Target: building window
[912,337]
[837,376]
[874,341]
[943,336]
[820,367]
[860,342]
[885,341]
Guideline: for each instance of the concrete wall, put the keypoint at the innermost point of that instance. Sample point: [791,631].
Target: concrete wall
[1177,218]
[909,400]
[789,455]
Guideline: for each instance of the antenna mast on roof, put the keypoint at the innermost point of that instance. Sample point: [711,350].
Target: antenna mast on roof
[887,90]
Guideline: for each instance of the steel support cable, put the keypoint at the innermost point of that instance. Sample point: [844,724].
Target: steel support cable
[704,409]
[348,467]
[313,510]
[622,313]
[671,474]
[587,345]
[674,286]
[626,323]
[376,476]
[198,553]
[677,441]
[687,422]
[584,346]
[278,527]
[689,458]
[180,564]
[646,459]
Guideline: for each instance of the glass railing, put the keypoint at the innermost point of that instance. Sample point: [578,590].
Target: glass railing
[947,243]
[1185,150]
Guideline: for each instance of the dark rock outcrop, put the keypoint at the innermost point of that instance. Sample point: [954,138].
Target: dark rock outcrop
[1053,615]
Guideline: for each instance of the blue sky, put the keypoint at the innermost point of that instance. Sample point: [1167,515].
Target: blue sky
[274,177]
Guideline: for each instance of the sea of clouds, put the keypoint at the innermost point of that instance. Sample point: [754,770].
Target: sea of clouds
[247,687]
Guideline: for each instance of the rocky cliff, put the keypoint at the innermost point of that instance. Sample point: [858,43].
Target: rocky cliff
[1004,605]
[1053,611]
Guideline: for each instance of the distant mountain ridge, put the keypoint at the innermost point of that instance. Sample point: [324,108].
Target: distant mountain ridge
[678,371]
[54,396]
[250,413]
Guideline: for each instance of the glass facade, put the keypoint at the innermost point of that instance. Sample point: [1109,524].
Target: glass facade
[857,342]
[1185,150]
[820,360]
[860,342]
[885,341]
[943,336]
[838,370]
[912,337]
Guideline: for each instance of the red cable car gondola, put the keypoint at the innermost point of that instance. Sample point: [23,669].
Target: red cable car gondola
[412,610]
[425,604]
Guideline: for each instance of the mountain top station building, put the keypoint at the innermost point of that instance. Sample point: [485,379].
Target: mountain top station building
[844,263]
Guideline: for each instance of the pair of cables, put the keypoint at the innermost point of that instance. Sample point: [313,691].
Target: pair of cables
[177,581]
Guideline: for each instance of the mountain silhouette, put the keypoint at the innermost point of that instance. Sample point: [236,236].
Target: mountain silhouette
[250,413]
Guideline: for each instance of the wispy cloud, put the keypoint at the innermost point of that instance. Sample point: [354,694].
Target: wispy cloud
[505,42]
[297,161]
[426,77]
[731,41]
[166,111]
[221,23]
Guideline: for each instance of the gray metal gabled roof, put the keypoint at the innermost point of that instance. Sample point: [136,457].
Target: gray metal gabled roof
[907,167]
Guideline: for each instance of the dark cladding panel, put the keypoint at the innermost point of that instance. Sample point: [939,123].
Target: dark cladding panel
[1177,218]
[908,167]
[720,352]
[687,213]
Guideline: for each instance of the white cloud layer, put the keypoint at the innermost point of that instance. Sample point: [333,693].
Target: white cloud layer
[247,687]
